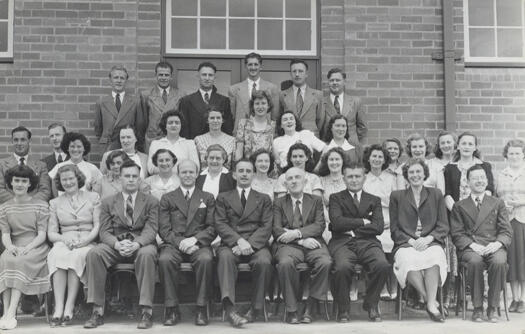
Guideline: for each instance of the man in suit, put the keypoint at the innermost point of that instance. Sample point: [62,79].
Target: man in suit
[338,102]
[186,226]
[128,226]
[195,107]
[241,93]
[117,110]
[158,100]
[56,133]
[243,220]
[298,225]
[482,233]
[21,139]
[304,101]
[356,219]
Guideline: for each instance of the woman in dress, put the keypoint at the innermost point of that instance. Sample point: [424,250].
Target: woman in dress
[337,136]
[166,180]
[256,132]
[395,150]
[215,135]
[77,147]
[215,178]
[110,184]
[289,131]
[263,161]
[73,228]
[171,123]
[511,188]
[23,221]
[419,226]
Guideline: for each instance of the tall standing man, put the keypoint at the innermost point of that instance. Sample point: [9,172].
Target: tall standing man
[56,133]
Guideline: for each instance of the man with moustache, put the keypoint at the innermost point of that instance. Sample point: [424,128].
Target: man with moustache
[56,133]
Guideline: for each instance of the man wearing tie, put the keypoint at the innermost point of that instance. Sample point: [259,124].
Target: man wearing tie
[117,110]
[128,226]
[356,219]
[243,220]
[241,93]
[195,106]
[338,102]
[304,101]
[56,133]
[158,100]
[298,225]
[186,226]
[480,229]
[21,139]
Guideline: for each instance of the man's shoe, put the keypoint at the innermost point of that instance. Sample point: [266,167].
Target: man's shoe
[172,316]
[251,315]
[373,312]
[477,315]
[201,317]
[492,315]
[95,321]
[236,320]
[292,318]
[344,317]
[54,322]
[520,308]
[308,315]
[513,306]
[145,321]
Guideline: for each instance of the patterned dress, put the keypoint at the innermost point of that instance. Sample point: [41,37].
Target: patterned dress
[253,140]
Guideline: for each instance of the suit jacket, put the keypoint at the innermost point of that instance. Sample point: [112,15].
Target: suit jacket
[312,214]
[180,219]
[65,219]
[345,217]
[240,99]
[194,108]
[113,221]
[354,112]
[254,223]
[452,176]
[226,182]
[153,107]
[404,215]
[51,161]
[42,191]
[312,115]
[109,121]
[489,224]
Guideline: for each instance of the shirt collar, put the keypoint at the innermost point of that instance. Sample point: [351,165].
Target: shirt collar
[121,94]
[60,154]
[297,199]
[161,90]
[346,145]
[250,82]
[205,91]
[295,88]
[184,190]
[17,157]
[359,193]
[332,97]
[246,191]
[133,196]
[480,197]
[223,171]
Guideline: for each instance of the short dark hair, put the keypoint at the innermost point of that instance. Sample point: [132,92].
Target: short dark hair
[57,125]
[354,165]
[253,55]
[476,153]
[72,136]
[437,150]
[129,164]
[118,68]
[81,178]
[21,129]
[207,64]
[414,137]
[396,141]
[415,161]
[323,169]
[217,147]
[128,127]
[329,135]
[298,61]
[368,153]
[163,64]
[159,152]
[474,168]
[255,155]
[298,125]
[513,143]
[300,146]
[171,113]
[243,160]
[335,70]
[260,94]
[115,154]
[24,172]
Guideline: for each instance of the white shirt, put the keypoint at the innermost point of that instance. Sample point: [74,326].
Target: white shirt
[161,90]
[358,194]
[183,149]
[346,145]
[133,198]
[185,190]
[295,88]
[282,144]
[121,96]
[481,196]
[17,157]
[204,92]
[211,184]
[250,86]
[246,192]
[60,154]
[340,100]
[294,201]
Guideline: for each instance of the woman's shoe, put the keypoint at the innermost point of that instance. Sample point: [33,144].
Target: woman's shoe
[54,322]
[443,309]
[9,323]
[66,321]
[435,317]
[513,306]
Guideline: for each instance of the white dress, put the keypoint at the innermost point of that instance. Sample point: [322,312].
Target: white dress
[282,144]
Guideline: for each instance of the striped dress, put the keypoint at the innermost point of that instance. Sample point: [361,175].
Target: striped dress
[27,273]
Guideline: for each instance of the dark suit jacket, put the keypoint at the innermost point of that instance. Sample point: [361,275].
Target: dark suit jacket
[345,217]
[404,215]
[254,223]
[226,182]
[490,224]
[179,219]
[194,108]
[312,213]
[312,115]
[113,221]
[51,161]
[109,121]
[452,176]
[153,107]
[354,112]
[42,191]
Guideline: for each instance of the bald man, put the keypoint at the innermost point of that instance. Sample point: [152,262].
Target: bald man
[186,226]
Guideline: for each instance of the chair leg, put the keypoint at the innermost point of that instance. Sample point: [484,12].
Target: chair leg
[223,314]
[335,310]
[457,287]
[327,315]
[440,291]
[505,301]
[265,311]
[46,306]
[399,301]
[464,292]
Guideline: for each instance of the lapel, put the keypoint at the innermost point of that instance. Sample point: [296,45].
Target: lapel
[244,94]
[484,211]
[288,209]
[307,207]
[82,201]
[198,101]
[410,196]
[125,108]
[235,202]
[140,202]
[424,195]
[347,105]
[308,100]
[118,203]
[329,107]
[195,201]
[181,202]
[110,106]
[289,100]
[156,99]
[252,202]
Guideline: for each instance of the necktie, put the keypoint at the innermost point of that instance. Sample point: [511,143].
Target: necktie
[254,88]
[207,98]
[478,203]
[117,102]
[356,200]
[129,209]
[297,217]
[243,198]
[299,102]
[336,104]
[164,96]
[22,161]
[187,196]
[60,159]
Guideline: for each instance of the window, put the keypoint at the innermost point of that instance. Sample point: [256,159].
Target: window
[237,27]
[494,32]
[6,30]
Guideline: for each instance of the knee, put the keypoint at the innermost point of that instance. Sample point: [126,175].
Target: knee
[384,267]
[94,254]
[324,263]
[286,263]
[226,257]
[164,259]
[205,258]
[147,253]
[343,267]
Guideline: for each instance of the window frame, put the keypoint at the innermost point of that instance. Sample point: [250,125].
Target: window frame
[7,56]
[313,53]
[472,61]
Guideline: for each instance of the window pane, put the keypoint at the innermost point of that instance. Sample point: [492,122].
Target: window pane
[270,8]
[509,12]
[3,36]
[183,33]
[482,42]
[481,13]
[213,34]
[298,34]
[184,8]
[510,43]
[270,35]
[298,8]
[241,34]
[242,8]
[213,7]
[4,9]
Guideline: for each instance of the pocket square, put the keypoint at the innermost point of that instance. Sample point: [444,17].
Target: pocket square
[202,205]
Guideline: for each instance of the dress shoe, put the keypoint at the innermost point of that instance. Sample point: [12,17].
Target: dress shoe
[236,320]
[66,321]
[201,317]
[9,323]
[444,310]
[513,306]
[172,316]
[292,318]
[520,308]
[373,313]
[477,315]
[251,315]
[95,321]
[344,317]
[308,315]
[54,322]
[436,317]
[145,321]
[492,316]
